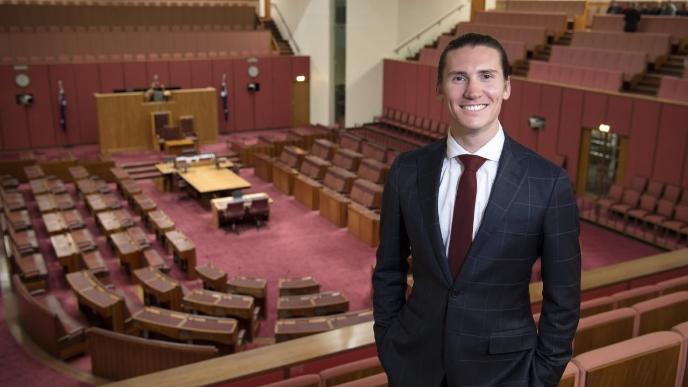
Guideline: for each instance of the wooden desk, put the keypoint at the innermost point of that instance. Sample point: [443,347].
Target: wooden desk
[51,202]
[87,187]
[219,304]
[143,204]
[78,172]
[288,329]
[160,224]
[33,172]
[32,270]
[18,220]
[93,262]
[312,305]
[183,250]
[250,286]
[298,286]
[67,252]
[25,241]
[119,173]
[175,147]
[211,180]
[13,201]
[83,239]
[218,205]
[158,288]
[127,251]
[42,186]
[187,327]
[114,221]
[102,202]
[129,189]
[92,294]
[213,277]
[62,221]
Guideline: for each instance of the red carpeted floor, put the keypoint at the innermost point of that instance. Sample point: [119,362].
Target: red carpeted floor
[296,242]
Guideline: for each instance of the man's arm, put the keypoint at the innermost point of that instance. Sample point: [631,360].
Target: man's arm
[389,277]
[561,265]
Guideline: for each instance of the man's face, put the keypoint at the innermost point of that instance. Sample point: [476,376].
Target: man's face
[473,88]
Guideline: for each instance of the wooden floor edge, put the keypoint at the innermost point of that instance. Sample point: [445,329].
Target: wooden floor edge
[25,342]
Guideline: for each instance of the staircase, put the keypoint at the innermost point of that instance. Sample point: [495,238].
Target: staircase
[565,40]
[648,85]
[284,47]
[520,68]
[140,170]
[673,66]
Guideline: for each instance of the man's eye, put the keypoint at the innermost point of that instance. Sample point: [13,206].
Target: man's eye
[458,78]
[487,76]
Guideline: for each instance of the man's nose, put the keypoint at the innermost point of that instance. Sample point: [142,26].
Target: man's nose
[472,90]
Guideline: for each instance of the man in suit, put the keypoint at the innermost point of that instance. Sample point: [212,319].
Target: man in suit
[475,210]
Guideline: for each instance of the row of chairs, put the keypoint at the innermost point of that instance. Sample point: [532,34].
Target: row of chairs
[572,8]
[236,212]
[132,45]
[417,126]
[655,45]
[515,51]
[652,211]
[589,77]
[677,27]
[630,63]
[555,23]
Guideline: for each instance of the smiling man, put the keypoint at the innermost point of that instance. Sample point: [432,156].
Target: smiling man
[475,211]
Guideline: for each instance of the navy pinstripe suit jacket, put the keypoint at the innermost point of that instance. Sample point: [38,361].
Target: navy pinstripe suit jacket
[477,330]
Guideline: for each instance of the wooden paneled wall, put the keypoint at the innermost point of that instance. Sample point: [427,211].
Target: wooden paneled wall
[657,129]
[38,125]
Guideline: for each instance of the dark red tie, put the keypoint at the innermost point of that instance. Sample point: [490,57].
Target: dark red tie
[464,208]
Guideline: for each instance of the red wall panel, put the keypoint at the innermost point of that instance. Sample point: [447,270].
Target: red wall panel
[180,74]
[263,98]
[301,65]
[111,77]
[550,105]
[40,114]
[87,82]
[643,138]
[135,75]
[281,93]
[15,129]
[530,106]
[619,114]
[423,91]
[220,67]
[202,74]
[671,144]
[594,109]
[161,69]
[410,72]
[511,109]
[244,102]
[387,83]
[65,73]
[570,127]
[399,89]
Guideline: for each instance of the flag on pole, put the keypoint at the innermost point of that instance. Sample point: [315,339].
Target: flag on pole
[62,102]
[224,97]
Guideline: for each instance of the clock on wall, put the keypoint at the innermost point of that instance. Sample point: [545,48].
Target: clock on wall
[253,71]
[22,80]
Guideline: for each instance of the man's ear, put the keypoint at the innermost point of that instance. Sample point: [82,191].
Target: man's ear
[507,88]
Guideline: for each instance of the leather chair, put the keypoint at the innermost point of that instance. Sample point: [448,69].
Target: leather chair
[260,209]
[234,213]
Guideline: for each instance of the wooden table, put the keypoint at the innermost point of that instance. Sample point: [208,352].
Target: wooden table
[33,172]
[182,249]
[208,180]
[129,189]
[213,277]
[67,252]
[83,239]
[250,286]
[312,305]
[13,201]
[175,147]
[78,172]
[18,220]
[93,262]
[187,327]
[62,221]
[158,288]
[127,251]
[288,329]
[298,286]
[102,202]
[87,187]
[114,221]
[119,173]
[218,205]
[42,186]
[51,202]
[160,224]
[143,204]
[93,294]
[220,304]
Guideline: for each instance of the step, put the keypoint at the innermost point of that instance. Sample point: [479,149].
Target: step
[138,163]
[141,169]
[149,175]
[644,89]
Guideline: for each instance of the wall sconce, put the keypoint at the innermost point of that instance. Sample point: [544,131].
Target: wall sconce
[300,78]
[536,122]
[604,128]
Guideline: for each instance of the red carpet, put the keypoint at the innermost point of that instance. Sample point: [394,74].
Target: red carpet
[296,242]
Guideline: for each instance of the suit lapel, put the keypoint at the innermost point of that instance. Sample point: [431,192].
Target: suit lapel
[510,176]
[429,171]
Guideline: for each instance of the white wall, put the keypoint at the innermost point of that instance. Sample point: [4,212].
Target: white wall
[310,21]
[374,30]
[490,4]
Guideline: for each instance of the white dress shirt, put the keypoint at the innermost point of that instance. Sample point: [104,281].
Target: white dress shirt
[449,181]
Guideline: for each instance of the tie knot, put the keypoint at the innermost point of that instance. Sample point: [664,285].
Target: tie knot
[472,162]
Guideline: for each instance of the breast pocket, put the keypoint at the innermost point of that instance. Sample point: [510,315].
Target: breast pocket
[514,340]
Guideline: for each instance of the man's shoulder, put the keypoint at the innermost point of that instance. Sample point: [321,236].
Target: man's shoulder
[536,163]
[412,156]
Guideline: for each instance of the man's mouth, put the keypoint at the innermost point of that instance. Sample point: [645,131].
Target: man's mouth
[473,108]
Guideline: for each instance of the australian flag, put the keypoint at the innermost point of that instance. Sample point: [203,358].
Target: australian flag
[224,97]
[62,101]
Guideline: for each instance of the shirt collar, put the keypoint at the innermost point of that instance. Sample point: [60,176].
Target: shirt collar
[491,150]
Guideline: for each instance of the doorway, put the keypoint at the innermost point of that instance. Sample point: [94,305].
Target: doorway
[602,162]
[300,100]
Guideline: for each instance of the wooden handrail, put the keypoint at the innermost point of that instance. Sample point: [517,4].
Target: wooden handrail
[297,50]
[418,34]
[282,356]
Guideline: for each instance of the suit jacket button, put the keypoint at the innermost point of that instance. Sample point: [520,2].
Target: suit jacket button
[455,292]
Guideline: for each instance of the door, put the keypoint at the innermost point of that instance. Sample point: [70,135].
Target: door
[301,104]
[602,161]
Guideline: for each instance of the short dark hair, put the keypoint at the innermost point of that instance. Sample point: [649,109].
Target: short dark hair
[472,39]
